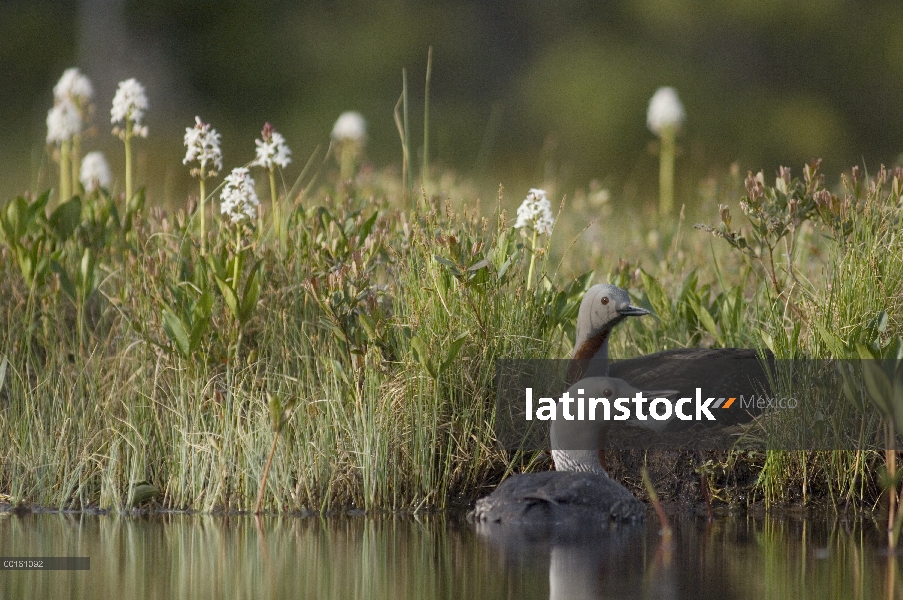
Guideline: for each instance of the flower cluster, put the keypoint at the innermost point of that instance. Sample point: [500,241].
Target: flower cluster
[63,122]
[129,105]
[665,111]
[75,87]
[350,126]
[535,212]
[239,200]
[203,143]
[95,172]
[272,150]
[71,96]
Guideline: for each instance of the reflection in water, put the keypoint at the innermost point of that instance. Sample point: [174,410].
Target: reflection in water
[182,556]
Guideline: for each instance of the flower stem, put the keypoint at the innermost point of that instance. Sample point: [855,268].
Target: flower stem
[426,119]
[532,260]
[75,159]
[65,171]
[266,473]
[203,217]
[277,214]
[666,171]
[128,160]
[237,254]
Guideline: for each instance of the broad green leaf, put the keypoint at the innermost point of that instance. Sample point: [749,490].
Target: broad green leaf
[176,330]
[228,295]
[482,264]
[4,364]
[707,320]
[369,325]
[17,217]
[832,341]
[657,297]
[200,319]
[505,265]
[65,281]
[335,328]
[422,353]
[275,407]
[879,386]
[367,227]
[251,292]
[86,272]
[453,349]
[66,218]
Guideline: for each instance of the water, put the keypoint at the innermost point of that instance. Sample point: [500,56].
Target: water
[184,556]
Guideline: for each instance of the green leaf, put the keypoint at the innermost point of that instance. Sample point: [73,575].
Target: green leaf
[16,222]
[251,293]
[878,386]
[505,265]
[832,341]
[448,263]
[707,320]
[422,353]
[367,227]
[482,264]
[369,325]
[897,400]
[657,297]
[66,218]
[335,328]
[177,332]
[229,295]
[275,407]
[65,282]
[453,349]
[86,273]
[200,319]
[3,366]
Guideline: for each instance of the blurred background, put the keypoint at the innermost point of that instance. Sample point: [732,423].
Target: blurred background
[524,94]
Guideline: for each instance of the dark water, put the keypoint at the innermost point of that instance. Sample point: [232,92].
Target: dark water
[181,556]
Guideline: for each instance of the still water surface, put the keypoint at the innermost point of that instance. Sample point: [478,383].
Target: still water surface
[184,556]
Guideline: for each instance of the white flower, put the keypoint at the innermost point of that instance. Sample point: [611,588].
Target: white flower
[130,104]
[239,200]
[95,172]
[350,126]
[63,122]
[665,111]
[74,86]
[203,143]
[271,150]
[535,212]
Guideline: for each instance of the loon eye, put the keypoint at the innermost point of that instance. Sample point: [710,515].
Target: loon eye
[606,393]
[604,299]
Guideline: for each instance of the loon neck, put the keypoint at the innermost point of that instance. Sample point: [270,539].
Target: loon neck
[594,347]
[590,356]
[578,461]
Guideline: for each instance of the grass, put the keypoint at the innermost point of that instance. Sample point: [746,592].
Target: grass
[363,333]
